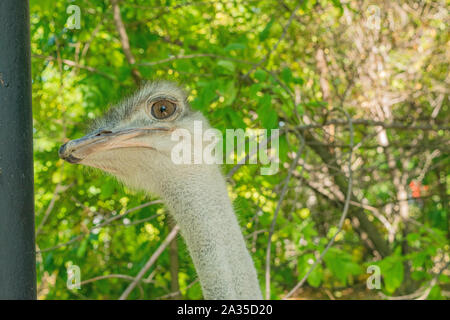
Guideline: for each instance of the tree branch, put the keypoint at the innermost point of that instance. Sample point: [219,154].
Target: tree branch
[75,65]
[343,216]
[120,27]
[372,123]
[275,215]
[150,262]
[106,222]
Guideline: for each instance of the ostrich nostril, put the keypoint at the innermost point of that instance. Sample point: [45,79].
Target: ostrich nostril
[103,132]
[63,154]
[62,150]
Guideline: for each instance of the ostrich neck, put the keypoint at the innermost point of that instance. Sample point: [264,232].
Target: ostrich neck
[202,208]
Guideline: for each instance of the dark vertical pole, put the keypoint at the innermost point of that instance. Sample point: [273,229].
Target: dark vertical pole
[17,247]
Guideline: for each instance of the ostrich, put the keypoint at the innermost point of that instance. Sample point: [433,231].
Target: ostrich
[133,143]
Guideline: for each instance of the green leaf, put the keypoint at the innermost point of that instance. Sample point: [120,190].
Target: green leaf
[260,75]
[299,80]
[82,248]
[418,275]
[392,271]
[337,4]
[266,31]
[341,265]
[235,46]
[107,189]
[304,263]
[228,91]
[49,261]
[254,89]
[300,109]
[316,276]
[227,65]
[266,114]
[206,95]
[283,149]
[393,275]
[286,75]
[435,293]
[236,119]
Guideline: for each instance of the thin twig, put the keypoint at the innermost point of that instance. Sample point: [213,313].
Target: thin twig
[251,154]
[366,122]
[177,293]
[150,262]
[110,276]
[192,56]
[76,65]
[125,42]
[423,292]
[55,196]
[344,212]
[280,39]
[106,222]
[275,215]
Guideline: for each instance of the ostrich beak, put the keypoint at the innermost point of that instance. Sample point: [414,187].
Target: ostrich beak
[76,150]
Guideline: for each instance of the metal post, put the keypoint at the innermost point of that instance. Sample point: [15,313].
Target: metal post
[17,247]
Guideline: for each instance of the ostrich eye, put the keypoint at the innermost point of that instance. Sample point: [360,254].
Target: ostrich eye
[163,109]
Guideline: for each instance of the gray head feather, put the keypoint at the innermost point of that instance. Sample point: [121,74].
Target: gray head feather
[124,109]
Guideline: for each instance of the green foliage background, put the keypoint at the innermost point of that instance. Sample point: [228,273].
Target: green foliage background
[250,64]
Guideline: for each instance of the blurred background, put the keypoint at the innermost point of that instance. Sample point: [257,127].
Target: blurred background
[358,89]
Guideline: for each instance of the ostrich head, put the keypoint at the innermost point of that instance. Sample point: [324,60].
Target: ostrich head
[133,140]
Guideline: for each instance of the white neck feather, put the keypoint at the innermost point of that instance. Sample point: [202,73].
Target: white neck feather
[202,208]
